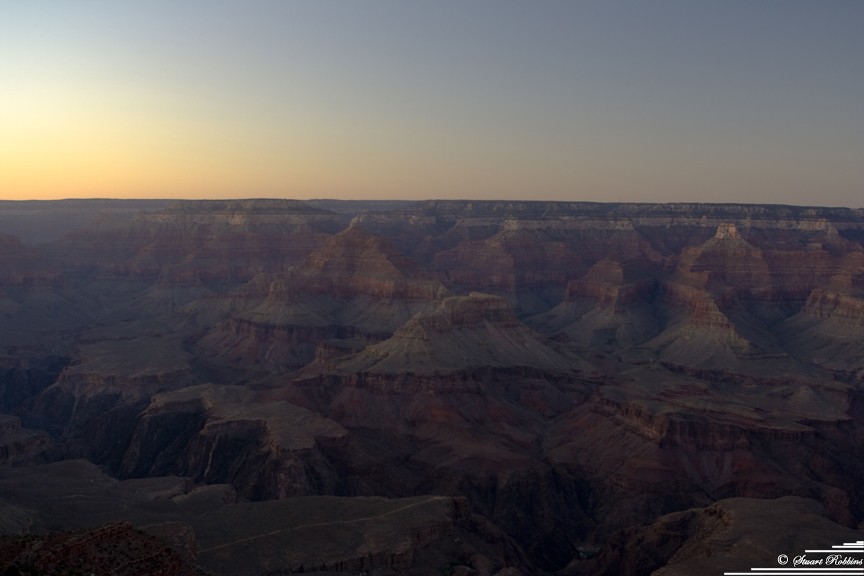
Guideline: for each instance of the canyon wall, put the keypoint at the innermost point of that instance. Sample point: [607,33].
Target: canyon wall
[570,371]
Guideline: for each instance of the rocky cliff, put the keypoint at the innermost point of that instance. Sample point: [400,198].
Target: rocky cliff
[224,434]
[112,549]
[567,371]
[734,534]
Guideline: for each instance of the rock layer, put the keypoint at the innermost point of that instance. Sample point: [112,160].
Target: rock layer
[566,371]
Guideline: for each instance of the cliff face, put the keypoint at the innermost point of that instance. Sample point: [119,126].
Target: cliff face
[19,444]
[613,304]
[354,262]
[193,243]
[731,534]
[219,434]
[355,286]
[23,266]
[463,332]
[569,369]
[30,294]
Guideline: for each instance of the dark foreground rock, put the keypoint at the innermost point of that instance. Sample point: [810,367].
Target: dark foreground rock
[109,549]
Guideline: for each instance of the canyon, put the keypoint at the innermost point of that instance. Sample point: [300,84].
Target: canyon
[433,387]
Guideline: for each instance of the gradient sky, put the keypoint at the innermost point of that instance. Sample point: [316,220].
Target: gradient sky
[609,100]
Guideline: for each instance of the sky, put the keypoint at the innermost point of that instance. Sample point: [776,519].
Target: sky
[758,101]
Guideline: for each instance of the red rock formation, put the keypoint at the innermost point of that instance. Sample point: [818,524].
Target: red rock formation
[632,360]
[354,262]
[356,286]
[604,309]
[463,332]
[201,242]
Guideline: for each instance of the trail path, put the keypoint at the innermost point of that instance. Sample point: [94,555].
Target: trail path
[315,524]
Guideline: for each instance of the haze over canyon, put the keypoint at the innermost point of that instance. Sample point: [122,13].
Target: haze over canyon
[439,387]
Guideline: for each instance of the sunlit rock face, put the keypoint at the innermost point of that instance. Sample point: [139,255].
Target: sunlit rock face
[566,373]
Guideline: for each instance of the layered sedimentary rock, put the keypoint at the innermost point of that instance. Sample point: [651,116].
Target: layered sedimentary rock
[94,400]
[221,434]
[39,222]
[463,332]
[265,322]
[738,534]
[827,330]
[570,370]
[711,436]
[31,298]
[201,242]
[356,285]
[607,306]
